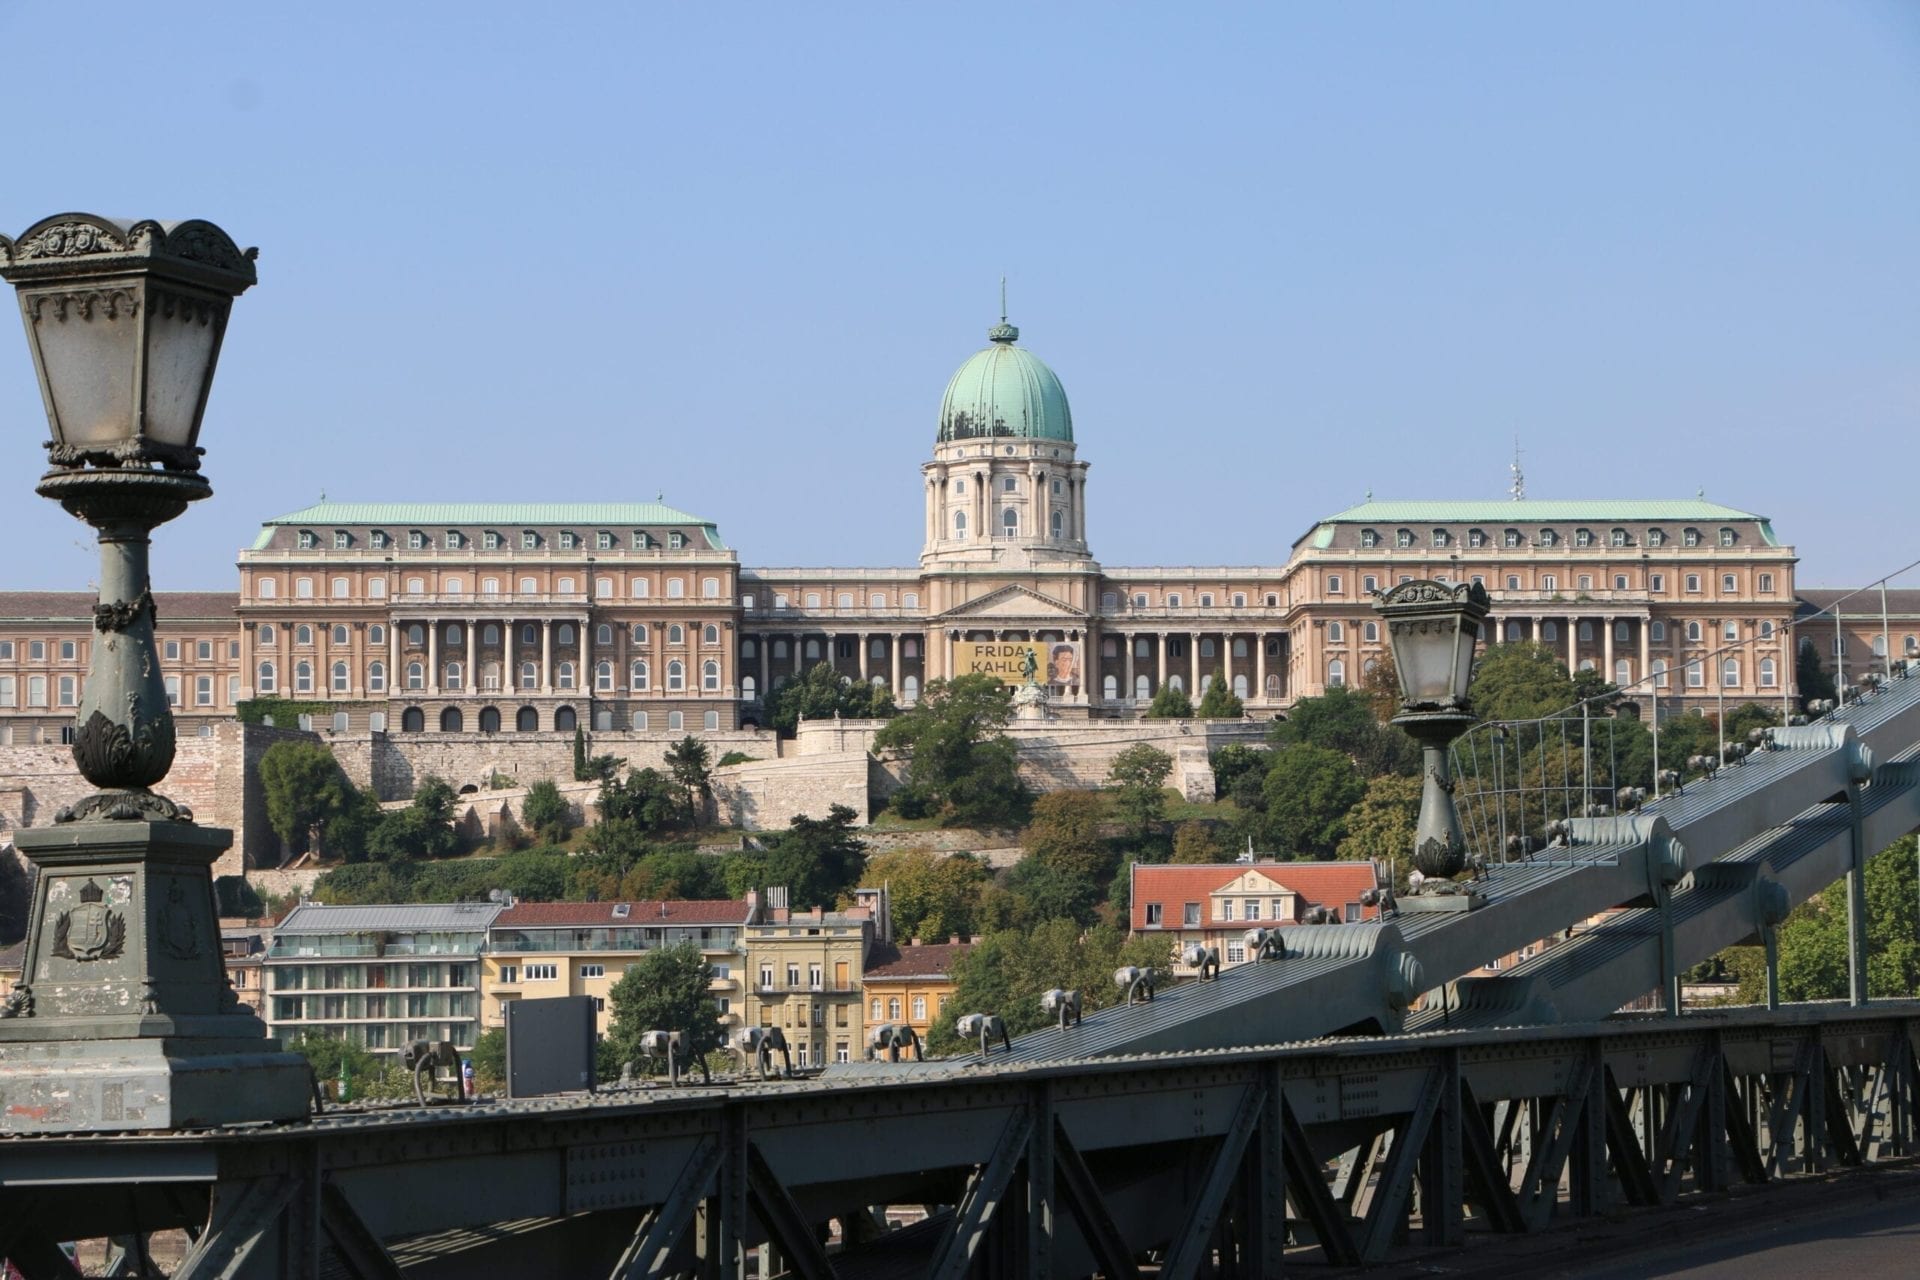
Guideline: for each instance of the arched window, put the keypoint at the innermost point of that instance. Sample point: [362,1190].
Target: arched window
[303,634]
[267,677]
[489,675]
[1009,523]
[413,720]
[1659,673]
[1336,673]
[529,634]
[303,677]
[603,676]
[710,676]
[377,721]
[564,676]
[877,649]
[1207,647]
[1110,688]
[603,719]
[416,676]
[910,690]
[529,675]
[1622,672]
[1769,676]
[640,721]
[339,722]
[1273,686]
[565,720]
[676,676]
[526,720]
[376,677]
[1730,673]
[341,636]
[1657,631]
[676,634]
[564,586]
[749,689]
[489,719]
[676,721]
[639,674]
[1549,631]
[910,648]
[1513,632]
[710,634]
[1177,682]
[959,524]
[455,634]
[1586,632]
[640,633]
[1058,524]
[812,651]
[340,681]
[416,636]
[1586,664]
[1142,687]
[603,634]
[780,650]
[1173,601]
[1693,632]
[451,721]
[266,633]
[490,635]
[1880,645]
[1766,630]
[711,720]
[1369,631]
[1336,634]
[564,635]
[1239,685]
[1621,631]
[455,675]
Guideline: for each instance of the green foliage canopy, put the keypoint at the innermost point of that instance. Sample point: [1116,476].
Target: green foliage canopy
[665,991]
[822,693]
[1139,775]
[1309,791]
[962,766]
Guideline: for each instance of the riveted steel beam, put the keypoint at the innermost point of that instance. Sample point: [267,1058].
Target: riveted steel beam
[1080,1193]
[1307,1186]
[243,1217]
[365,1257]
[788,1228]
[985,1195]
[1488,1186]
[661,1231]
[1189,1249]
[1387,1211]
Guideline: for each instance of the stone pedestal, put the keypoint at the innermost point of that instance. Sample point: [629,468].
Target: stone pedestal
[1032,703]
[1435,903]
[124,1018]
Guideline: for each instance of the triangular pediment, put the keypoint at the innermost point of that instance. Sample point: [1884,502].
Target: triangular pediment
[1255,882]
[1015,601]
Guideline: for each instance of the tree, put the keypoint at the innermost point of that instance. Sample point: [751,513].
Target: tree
[546,812]
[1009,969]
[1381,684]
[1520,681]
[424,829]
[1235,761]
[962,765]
[1381,826]
[823,693]
[1595,690]
[1810,679]
[691,766]
[489,1058]
[1139,775]
[1046,889]
[646,800]
[666,990]
[1341,719]
[1218,701]
[1170,702]
[1193,843]
[1065,833]
[1813,941]
[1309,791]
[818,859]
[579,754]
[304,790]
[933,894]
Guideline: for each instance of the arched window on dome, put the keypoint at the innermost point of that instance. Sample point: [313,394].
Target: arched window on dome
[1009,523]
[1059,524]
[959,524]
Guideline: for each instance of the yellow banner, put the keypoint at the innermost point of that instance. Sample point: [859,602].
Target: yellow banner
[1015,662]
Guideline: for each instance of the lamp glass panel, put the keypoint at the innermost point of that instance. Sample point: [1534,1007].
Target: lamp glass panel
[1423,650]
[1463,638]
[87,357]
[181,348]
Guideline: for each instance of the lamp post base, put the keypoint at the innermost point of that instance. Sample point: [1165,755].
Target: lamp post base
[123,1018]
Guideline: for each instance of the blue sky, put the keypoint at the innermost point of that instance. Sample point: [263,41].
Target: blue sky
[1280,255]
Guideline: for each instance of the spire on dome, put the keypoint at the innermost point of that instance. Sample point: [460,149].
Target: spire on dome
[1003,332]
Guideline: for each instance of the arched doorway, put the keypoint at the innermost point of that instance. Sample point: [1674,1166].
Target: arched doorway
[413,720]
[489,719]
[526,720]
[565,720]
[451,721]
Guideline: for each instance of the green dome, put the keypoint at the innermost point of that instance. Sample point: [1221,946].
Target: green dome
[1004,391]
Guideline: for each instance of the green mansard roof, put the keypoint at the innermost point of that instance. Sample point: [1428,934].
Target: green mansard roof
[1575,511]
[582,515]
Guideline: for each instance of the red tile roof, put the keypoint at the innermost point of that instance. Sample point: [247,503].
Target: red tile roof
[560,915]
[890,963]
[75,606]
[1328,884]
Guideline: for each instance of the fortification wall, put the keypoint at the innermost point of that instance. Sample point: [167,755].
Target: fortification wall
[399,761]
[764,795]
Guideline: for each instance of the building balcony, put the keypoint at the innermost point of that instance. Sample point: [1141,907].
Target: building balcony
[806,989]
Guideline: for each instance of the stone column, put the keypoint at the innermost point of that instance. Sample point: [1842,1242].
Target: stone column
[1226,659]
[1536,629]
[1080,507]
[766,669]
[799,639]
[472,675]
[893,644]
[1607,648]
[1573,644]
[1161,681]
[511,673]
[546,656]
[1126,692]
[1260,664]
[394,680]
[585,682]
[860,639]
[1042,493]
[433,656]
[1646,656]
[1193,664]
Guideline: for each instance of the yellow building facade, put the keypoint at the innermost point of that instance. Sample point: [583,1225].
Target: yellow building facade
[804,975]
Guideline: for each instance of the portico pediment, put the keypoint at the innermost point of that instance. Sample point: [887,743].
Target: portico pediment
[1014,603]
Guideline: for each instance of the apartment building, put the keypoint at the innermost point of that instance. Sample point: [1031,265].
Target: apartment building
[1217,903]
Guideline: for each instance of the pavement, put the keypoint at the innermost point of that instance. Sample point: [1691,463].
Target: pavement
[1860,1223]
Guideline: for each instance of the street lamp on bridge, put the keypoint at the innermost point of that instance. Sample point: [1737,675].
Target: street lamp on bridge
[1432,627]
[123,1017]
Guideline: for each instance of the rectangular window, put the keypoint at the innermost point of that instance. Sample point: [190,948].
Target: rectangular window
[204,650]
[233,689]
[1226,908]
[604,541]
[416,540]
[6,650]
[173,691]
[37,650]
[593,971]
[490,540]
[1657,582]
[69,693]
[203,691]
[1252,909]
[509,973]
[1191,917]
[543,972]
[1153,908]
[9,691]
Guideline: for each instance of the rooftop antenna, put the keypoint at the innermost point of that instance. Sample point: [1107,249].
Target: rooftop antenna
[1519,489]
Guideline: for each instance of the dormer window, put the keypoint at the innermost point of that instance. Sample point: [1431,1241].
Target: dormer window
[1656,537]
[1726,537]
[1583,537]
[1511,537]
[676,540]
[490,540]
[567,540]
[621,910]
[306,539]
[529,540]
[1476,537]
[1618,537]
[640,540]
[1369,537]
[1692,537]
[1403,538]
[342,539]
[1548,538]
[378,538]
[416,540]
[1441,538]
[603,540]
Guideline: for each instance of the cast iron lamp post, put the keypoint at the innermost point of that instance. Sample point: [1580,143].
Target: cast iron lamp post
[123,1017]
[1432,627]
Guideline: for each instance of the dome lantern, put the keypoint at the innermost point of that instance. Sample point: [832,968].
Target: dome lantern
[1005,391]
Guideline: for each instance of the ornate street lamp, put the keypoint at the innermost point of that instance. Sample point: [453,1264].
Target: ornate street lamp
[123,1017]
[1432,627]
